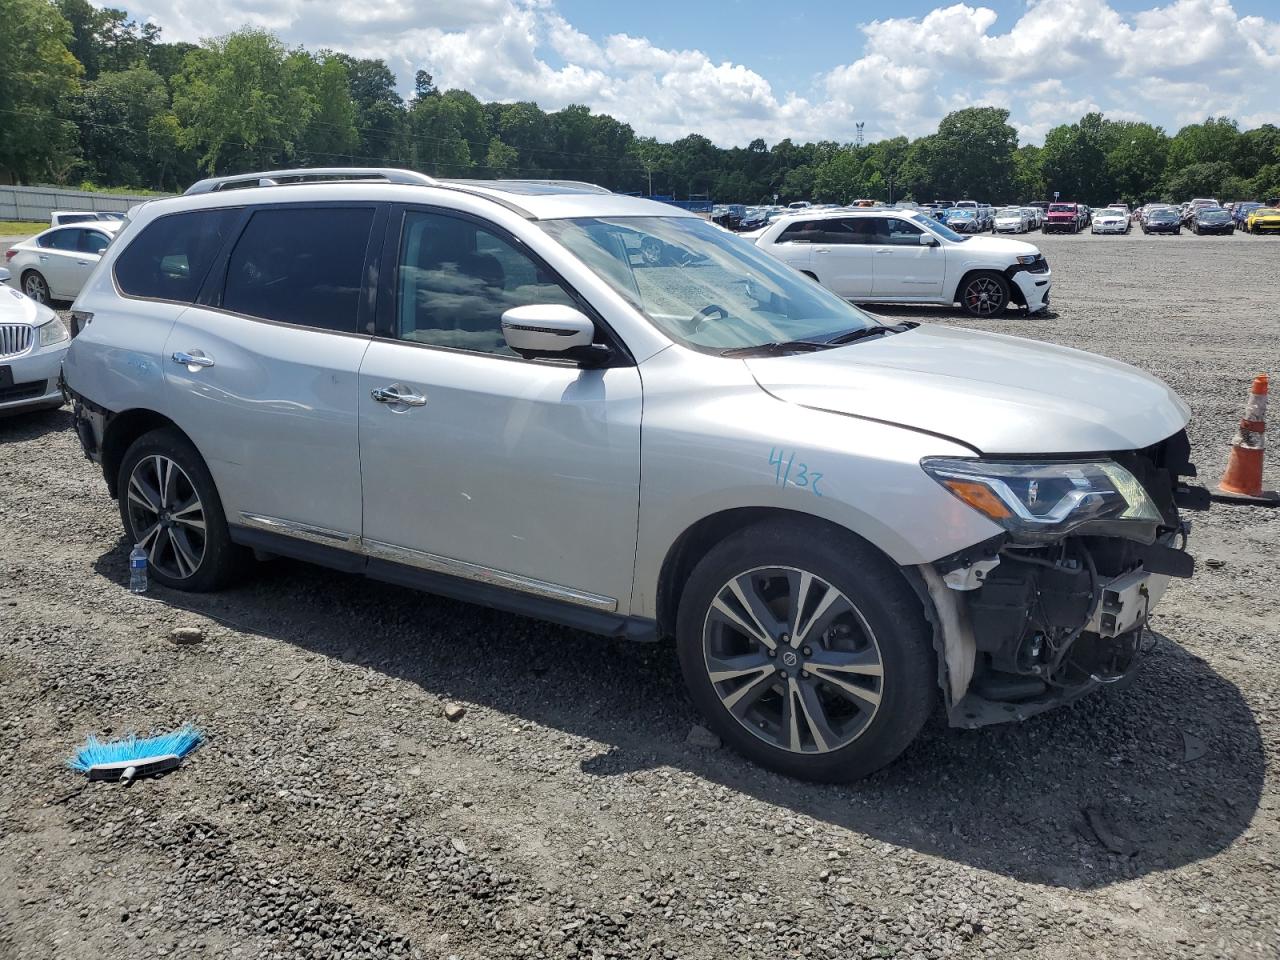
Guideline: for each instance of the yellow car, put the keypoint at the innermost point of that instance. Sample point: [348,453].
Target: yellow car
[1264,219]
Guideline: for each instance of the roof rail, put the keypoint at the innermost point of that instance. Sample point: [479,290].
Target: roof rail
[275,178]
[579,186]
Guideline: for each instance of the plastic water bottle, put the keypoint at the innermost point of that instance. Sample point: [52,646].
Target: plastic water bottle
[138,570]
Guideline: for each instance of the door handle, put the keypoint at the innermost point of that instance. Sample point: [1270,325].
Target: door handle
[821,250]
[44,258]
[83,263]
[392,395]
[192,360]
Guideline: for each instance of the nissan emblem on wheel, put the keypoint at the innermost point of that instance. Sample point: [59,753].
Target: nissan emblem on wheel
[636,424]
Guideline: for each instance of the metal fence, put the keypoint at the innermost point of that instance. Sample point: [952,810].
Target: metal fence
[37,203]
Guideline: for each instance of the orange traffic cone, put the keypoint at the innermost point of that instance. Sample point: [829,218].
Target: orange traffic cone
[1243,480]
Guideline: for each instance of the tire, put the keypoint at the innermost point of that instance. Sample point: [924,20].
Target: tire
[178,520]
[35,286]
[984,294]
[878,636]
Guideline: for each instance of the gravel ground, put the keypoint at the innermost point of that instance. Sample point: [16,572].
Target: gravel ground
[336,811]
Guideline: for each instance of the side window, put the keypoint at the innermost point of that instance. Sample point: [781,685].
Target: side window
[852,231]
[893,230]
[168,260]
[300,265]
[806,231]
[68,239]
[93,241]
[456,279]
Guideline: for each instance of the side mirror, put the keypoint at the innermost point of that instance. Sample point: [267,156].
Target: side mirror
[549,330]
[928,240]
[4,274]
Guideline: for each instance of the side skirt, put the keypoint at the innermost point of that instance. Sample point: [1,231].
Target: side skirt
[456,588]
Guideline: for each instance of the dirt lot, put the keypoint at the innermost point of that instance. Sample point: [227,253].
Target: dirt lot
[336,812]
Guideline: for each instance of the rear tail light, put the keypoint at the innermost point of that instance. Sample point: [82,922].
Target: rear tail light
[79,320]
[10,254]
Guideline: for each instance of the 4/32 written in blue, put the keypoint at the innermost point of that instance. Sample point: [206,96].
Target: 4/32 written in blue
[790,471]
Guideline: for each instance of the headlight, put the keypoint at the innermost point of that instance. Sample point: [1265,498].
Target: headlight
[1043,501]
[1029,259]
[52,331]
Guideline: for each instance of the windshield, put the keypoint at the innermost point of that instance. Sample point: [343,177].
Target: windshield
[1061,208]
[1215,213]
[1009,212]
[937,227]
[702,287]
[957,213]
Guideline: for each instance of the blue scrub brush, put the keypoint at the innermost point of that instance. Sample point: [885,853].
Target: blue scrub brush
[135,757]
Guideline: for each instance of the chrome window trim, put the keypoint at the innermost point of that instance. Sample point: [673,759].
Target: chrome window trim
[462,569]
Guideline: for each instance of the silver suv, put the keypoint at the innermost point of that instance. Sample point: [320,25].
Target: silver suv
[608,413]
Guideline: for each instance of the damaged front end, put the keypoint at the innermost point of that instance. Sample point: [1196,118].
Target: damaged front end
[1056,605]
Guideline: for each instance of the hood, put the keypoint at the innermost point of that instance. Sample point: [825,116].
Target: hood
[16,307]
[999,246]
[997,394]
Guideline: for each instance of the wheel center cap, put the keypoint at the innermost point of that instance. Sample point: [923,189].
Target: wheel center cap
[790,658]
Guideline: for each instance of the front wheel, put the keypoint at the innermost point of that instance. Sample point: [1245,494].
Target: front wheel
[984,295]
[170,506]
[806,651]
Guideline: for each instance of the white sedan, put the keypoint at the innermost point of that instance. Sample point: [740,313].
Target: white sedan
[1111,220]
[33,341]
[54,264]
[1011,220]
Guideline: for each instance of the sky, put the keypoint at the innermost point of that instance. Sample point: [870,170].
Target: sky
[735,70]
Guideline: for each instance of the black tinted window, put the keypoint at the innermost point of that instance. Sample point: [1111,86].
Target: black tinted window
[892,230]
[67,239]
[93,241]
[168,260]
[456,279]
[300,265]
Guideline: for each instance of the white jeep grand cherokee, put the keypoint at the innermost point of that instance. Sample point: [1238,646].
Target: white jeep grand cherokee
[904,256]
[608,413]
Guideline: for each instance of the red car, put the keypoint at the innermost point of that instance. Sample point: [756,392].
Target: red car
[1062,218]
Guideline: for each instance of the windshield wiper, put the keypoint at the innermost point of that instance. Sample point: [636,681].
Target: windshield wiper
[863,333]
[784,346]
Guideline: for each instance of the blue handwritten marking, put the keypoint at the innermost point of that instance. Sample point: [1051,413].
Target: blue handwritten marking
[805,479]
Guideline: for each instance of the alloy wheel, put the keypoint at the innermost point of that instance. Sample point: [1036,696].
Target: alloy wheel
[793,660]
[35,288]
[166,516]
[984,296]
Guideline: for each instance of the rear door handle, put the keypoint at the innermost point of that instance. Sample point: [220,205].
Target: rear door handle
[397,393]
[192,360]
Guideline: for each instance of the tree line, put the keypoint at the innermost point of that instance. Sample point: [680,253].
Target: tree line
[89,96]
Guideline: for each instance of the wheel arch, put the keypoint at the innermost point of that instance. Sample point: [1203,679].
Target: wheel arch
[695,542]
[121,431]
[1015,292]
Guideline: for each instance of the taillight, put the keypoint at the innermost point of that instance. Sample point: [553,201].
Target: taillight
[10,254]
[79,320]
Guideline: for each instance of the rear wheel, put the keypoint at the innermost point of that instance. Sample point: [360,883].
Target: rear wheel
[170,506]
[984,294]
[806,651]
[36,287]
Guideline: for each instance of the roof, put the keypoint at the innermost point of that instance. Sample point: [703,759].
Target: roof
[532,199]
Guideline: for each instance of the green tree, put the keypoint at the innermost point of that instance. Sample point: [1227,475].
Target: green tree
[1028,174]
[1209,142]
[116,113]
[501,160]
[38,76]
[244,100]
[379,110]
[330,137]
[1137,154]
[1217,179]
[1073,161]
[972,154]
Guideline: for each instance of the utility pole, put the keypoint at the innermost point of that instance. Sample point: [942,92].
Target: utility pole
[860,124]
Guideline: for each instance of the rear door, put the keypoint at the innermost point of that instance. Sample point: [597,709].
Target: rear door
[794,245]
[56,261]
[903,266]
[262,372]
[844,259]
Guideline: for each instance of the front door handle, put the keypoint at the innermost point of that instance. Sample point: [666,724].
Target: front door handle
[396,393]
[192,361]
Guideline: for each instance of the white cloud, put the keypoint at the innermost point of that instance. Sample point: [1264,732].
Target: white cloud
[1172,63]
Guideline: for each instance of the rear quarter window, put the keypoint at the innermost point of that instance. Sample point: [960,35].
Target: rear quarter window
[169,259]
